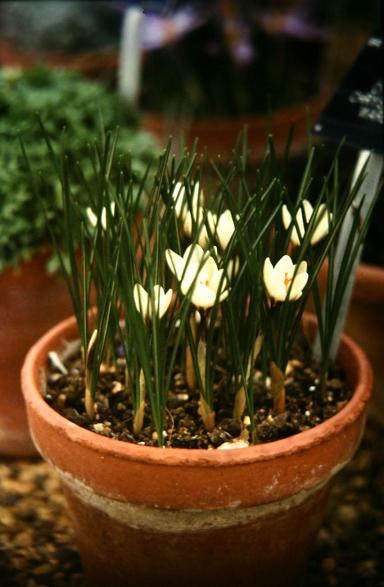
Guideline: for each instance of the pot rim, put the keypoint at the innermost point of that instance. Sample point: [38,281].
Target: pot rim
[288,113]
[31,385]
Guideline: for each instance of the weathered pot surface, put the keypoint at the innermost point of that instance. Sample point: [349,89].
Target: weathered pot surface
[31,302]
[188,516]
[365,323]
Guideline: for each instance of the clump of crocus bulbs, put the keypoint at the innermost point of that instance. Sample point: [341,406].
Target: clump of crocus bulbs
[190,273]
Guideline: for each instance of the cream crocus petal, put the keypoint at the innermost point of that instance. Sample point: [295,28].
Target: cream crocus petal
[212,222]
[193,254]
[143,302]
[275,287]
[192,220]
[182,207]
[281,280]
[204,282]
[104,218]
[322,225]
[196,225]
[193,223]
[193,217]
[302,220]
[178,196]
[233,268]
[203,238]
[225,228]
[218,282]
[93,218]
[162,300]
[175,263]
[222,227]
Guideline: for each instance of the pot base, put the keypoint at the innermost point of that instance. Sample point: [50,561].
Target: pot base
[269,550]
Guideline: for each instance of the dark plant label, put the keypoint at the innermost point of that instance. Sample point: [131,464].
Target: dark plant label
[356,111]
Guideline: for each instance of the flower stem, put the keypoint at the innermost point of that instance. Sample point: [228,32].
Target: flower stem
[240,403]
[190,375]
[138,419]
[277,388]
[205,410]
[89,400]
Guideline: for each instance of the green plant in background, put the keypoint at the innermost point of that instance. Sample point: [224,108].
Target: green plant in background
[212,280]
[73,109]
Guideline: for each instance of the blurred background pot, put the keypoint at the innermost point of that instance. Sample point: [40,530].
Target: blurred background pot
[213,69]
[31,301]
[218,136]
[93,64]
[82,36]
[365,323]
[192,517]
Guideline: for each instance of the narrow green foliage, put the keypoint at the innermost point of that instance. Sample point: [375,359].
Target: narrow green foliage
[203,280]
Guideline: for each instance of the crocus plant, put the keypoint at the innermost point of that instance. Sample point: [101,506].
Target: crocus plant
[208,284]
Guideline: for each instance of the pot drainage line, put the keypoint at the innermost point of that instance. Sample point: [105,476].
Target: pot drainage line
[187,520]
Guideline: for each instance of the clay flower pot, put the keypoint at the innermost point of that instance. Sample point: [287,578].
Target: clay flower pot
[365,323]
[31,302]
[188,517]
[93,64]
[219,135]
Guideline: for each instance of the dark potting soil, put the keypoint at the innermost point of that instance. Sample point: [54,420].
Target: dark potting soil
[184,427]
[37,547]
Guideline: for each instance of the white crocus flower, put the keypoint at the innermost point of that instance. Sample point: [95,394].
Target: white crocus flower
[194,221]
[181,202]
[322,224]
[177,264]
[143,301]
[193,254]
[302,221]
[178,195]
[222,227]
[93,218]
[199,276]
[233,268]
[191,216]
[280,279]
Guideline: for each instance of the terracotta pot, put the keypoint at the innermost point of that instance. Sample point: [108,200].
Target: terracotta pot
[219,135]
[31,301]
[91,64]
[188,517]
[365,323]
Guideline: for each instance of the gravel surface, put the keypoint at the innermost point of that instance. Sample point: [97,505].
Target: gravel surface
[37,548]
